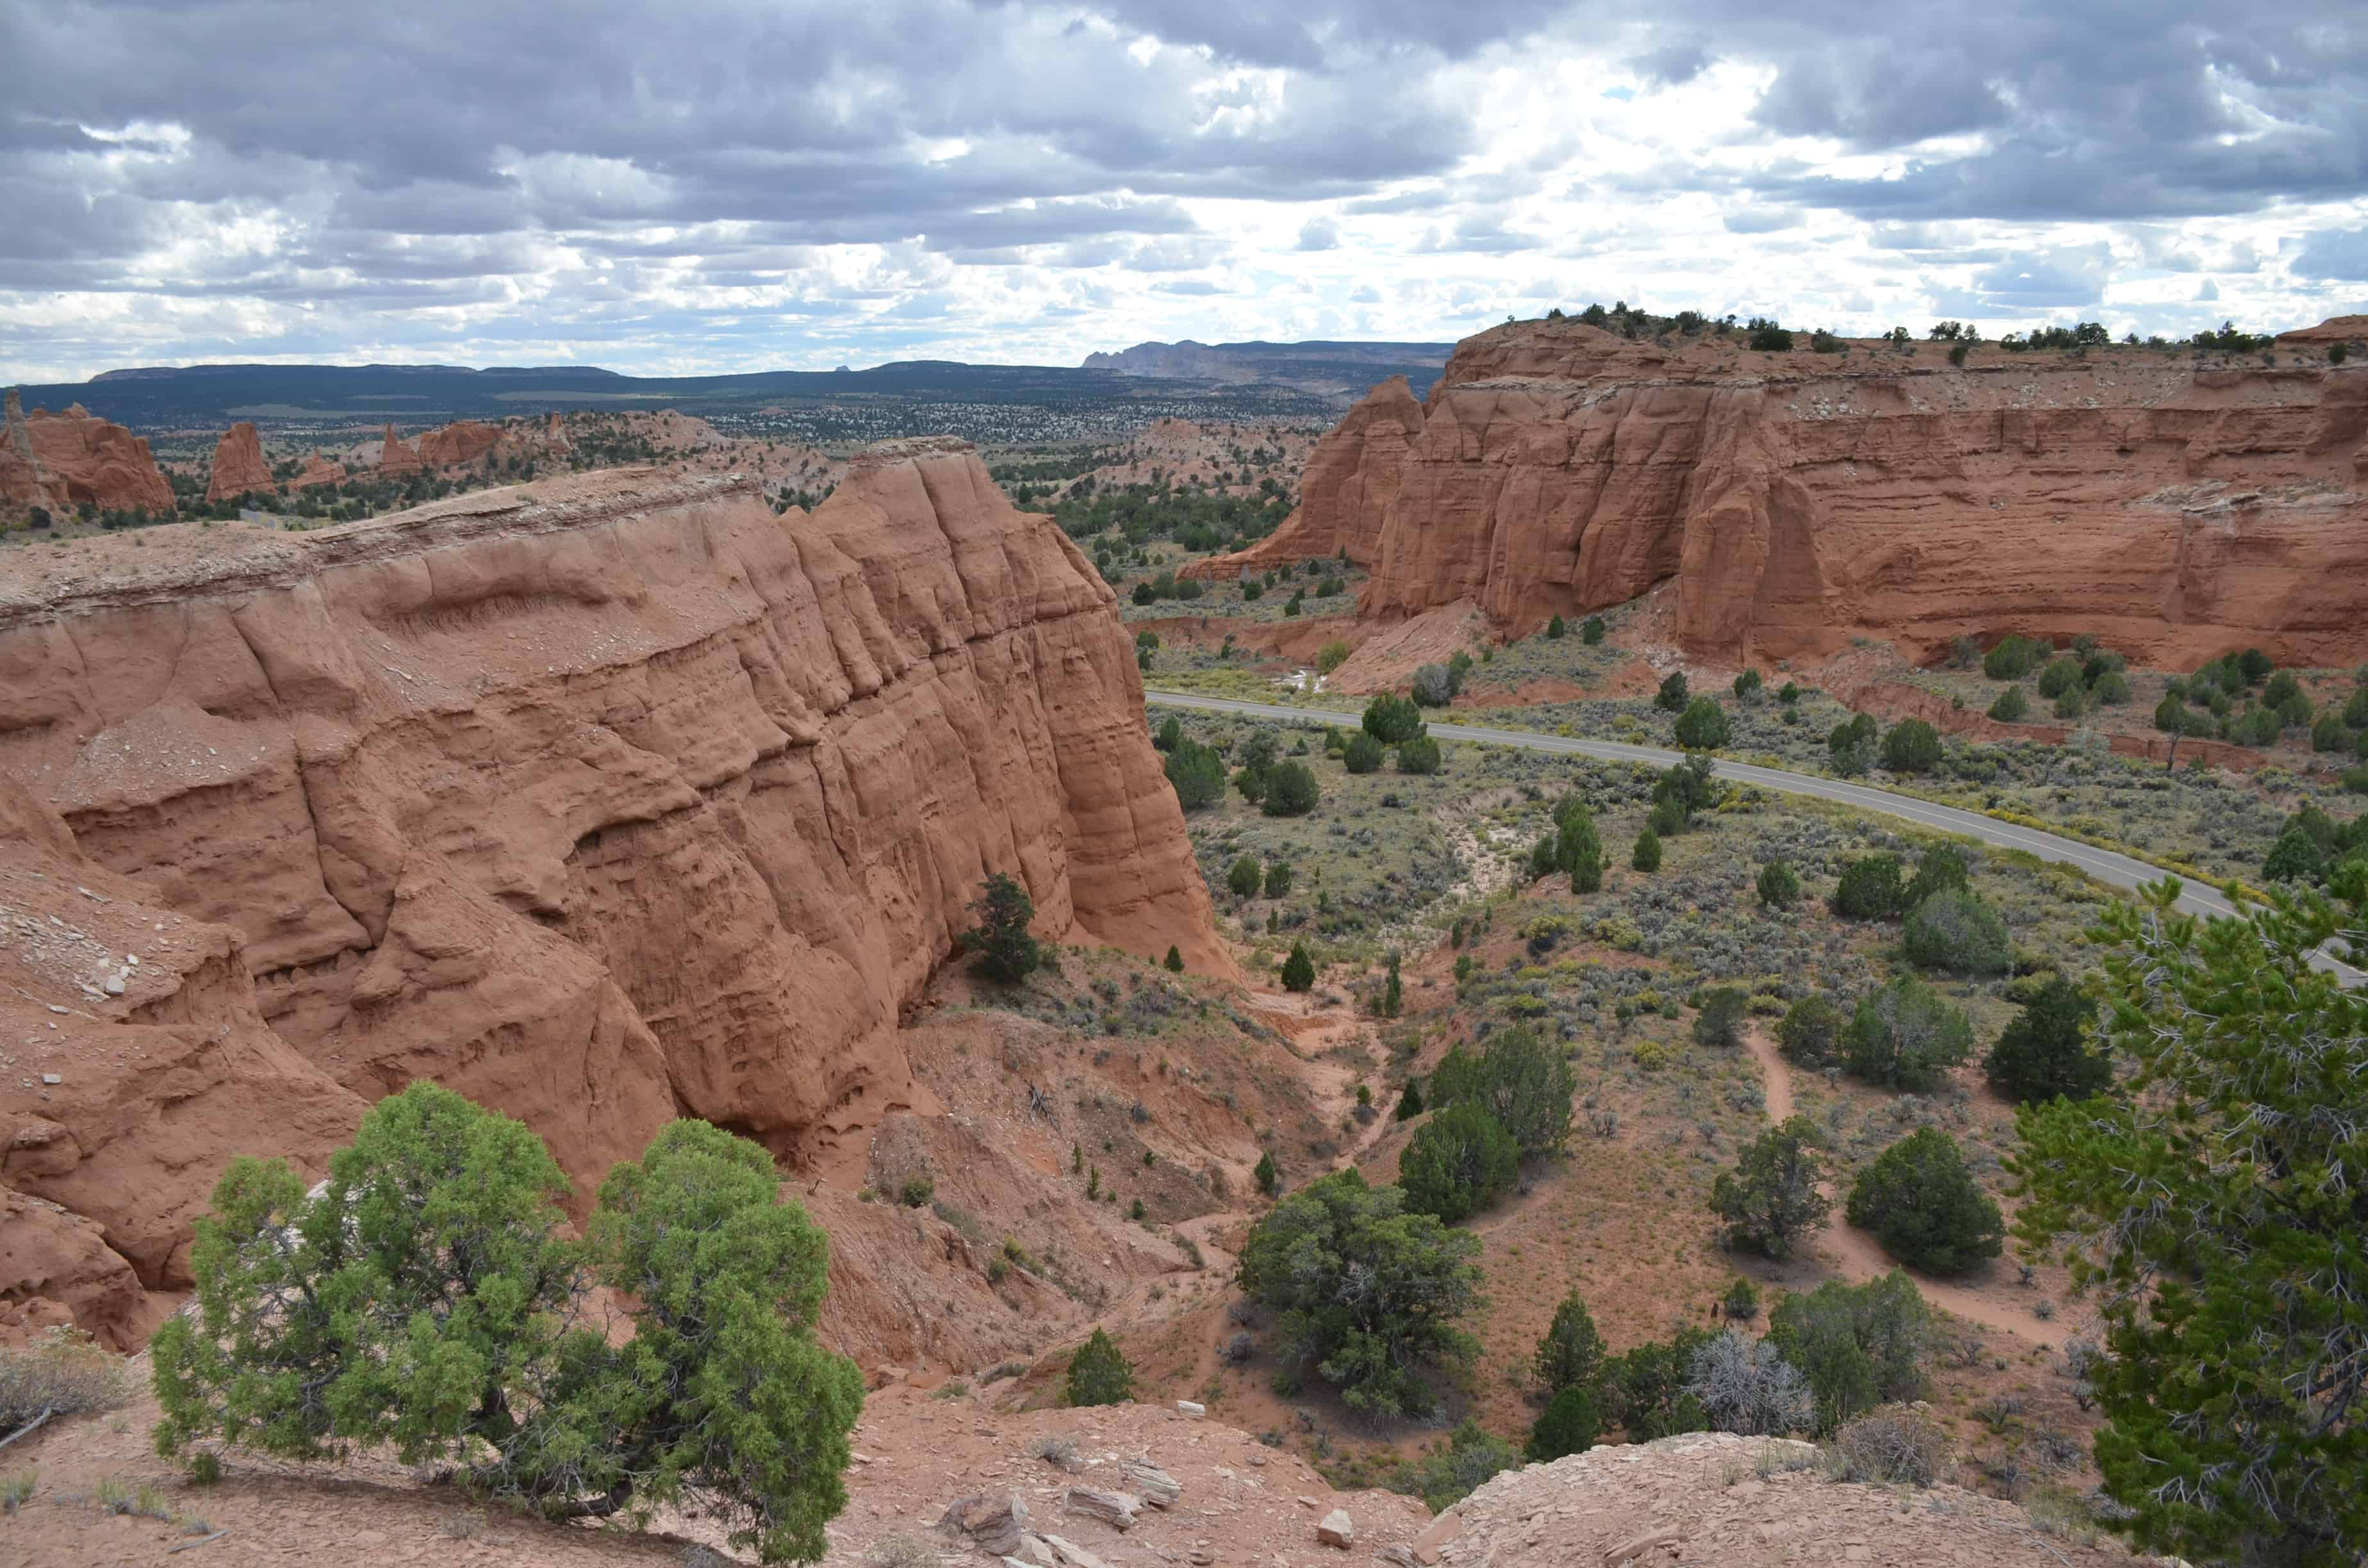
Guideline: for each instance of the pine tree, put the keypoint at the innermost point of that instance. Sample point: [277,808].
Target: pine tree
[1267,1174]
[1175,961]
[1099,1374]
[1393,998]
[1299,969]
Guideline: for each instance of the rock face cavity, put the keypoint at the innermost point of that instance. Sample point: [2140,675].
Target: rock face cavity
[2173,506]
[606,798]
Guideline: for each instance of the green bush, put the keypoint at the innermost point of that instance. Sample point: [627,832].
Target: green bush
[1921,1203]
[1368,1294]
[2012,658]
[1944,866]
[1299,969]
[1390,718]
[1869,889]
[1647,855]
[1592,632]
[1099,1374]
[2043,1052]
[1445,1475]
[1524,1082]
[1363,754]
[2011,706]
[1858,1345]
[1851,743]
[1291,790]
[1418,756]
[1198,774]
[1719,1024]
[1644,1391]
[1671,698]
[2059,677]
[1911,746]
[1779,886]
[1811,1031]
[1458,1163]
[1571,1353]
[1569,1426]
[1578,848]
[1769,1200]
[1747,686]
[1005,952]
[1277,878]
[1904,1036]
[1267,1174]
[421,1302]
[1555,629]
[2329,735]
[1175,959]
[1703,726]
[1243,877]
[1955,930]
[1170,735]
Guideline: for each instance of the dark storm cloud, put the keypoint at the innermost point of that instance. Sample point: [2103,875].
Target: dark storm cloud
[2334,255]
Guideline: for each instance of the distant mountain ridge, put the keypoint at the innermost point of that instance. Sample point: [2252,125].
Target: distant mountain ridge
[1327,369]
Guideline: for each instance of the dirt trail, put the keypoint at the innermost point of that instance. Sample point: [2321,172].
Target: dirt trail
[1859,1257]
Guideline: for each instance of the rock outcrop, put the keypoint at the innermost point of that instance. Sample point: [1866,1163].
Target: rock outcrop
[2173,506]
[462,442]
[64,460]
[240,466]
[396,459]
[318,470]
[601,802]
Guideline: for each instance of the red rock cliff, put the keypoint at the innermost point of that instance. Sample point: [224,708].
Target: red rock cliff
[2171,506]
[61,460]
[608,799]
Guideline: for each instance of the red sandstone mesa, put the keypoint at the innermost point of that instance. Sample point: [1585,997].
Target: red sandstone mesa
[2170,505]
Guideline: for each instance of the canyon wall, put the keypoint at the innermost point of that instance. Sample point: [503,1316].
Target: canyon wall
[600,801]
[2172,506]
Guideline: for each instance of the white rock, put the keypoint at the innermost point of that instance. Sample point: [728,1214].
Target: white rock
[1333,1529]
[51,1078]
[1184,1408]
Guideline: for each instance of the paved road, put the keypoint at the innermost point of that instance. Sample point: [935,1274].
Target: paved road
[2119,870]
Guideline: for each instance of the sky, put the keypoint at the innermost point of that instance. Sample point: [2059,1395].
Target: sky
[708,185]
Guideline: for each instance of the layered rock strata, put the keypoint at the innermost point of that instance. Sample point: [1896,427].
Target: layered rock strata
[2172,504]
[66,461]
[604,800]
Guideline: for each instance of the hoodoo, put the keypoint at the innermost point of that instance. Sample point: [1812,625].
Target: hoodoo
[600,801]
[2174,504]
[239,464]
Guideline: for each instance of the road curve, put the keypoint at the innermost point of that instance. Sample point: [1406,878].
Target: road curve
[2118,870]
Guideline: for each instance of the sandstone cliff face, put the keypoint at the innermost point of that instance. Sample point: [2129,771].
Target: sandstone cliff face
[239,466]
[2171,506]
[608,800]
[460,443]
[61,460]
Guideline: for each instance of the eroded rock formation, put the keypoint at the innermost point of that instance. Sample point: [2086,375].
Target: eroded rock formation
[318,470]
[2172,506]
[627,801]
[64,461]
[396,458]
[240,466]
[460,443]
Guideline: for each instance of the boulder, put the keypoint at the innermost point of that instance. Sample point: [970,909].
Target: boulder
[1335,1530]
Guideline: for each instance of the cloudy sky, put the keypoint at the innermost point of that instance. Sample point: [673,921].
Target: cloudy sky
[690,184]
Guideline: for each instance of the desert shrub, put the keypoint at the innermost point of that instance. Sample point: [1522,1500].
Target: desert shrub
[1571,1353]
[1570,1425]
[1858,1345]
[1851,744]
[1459,1162]
[2011,705]
[1671,698]
[1911,746]
[1810,1031]
[1891,1446]
[1748,686]
[443,1218]
[1644,1391]
[1904,1036]
[1703,726]
[1433,686]
[1869,889]
[1921,1203]
[1268,1176]
[2059,677]
[1099,1373]
[1418,756]
[1366,1292]
[62,1371]
[1955,930]
[1391,719]
[1647,855]
[1945,866]
[1745,1385]
[1198,774]
[1006,950]
[2012,658]
[1720,1021]
[2295,856]
[1592,632]
[1291,790]
[1446,1474]
[2043,1053]
[1555,630]
[1243,877]
[1779,886]
[2111,689]
[1522,1081]
[1299,969]
[1169,736]
[1331,656]
[1363,753]
[1769,1200]
[1741,1301]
